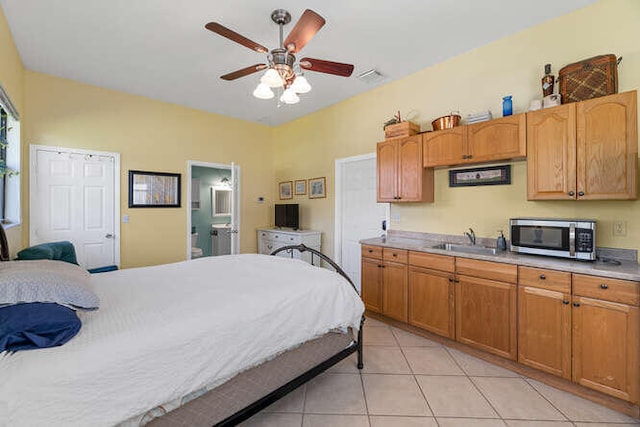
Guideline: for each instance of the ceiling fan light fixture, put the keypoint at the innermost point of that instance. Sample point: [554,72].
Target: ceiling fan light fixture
[263,91]
[300,85]
[272,78]
[289,97]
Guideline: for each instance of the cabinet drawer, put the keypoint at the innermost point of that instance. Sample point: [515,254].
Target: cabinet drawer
[432,261]
[369,251]
[487,269]
[545,279]
[615,290]
[396,255]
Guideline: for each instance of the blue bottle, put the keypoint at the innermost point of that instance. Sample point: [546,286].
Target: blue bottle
[507,106]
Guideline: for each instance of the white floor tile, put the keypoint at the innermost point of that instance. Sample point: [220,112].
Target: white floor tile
[454,397]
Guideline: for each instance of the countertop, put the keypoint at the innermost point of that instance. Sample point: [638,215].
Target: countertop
[626,270]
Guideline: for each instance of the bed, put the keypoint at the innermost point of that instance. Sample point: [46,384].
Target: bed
[205,342]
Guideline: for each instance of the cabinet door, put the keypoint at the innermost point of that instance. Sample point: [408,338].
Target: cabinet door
[551,153]
[387,158]
[605,347]
[410,169]
[395,291]
[486,315]
[372,284]
[545,330]
[445,147]
[431,301]
[607,147]
[499,139]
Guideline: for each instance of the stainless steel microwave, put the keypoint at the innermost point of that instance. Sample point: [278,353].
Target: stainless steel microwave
[565,238]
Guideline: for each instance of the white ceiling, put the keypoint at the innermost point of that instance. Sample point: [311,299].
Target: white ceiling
[161,50]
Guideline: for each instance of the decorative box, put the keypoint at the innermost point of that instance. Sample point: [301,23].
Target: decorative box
[401,129]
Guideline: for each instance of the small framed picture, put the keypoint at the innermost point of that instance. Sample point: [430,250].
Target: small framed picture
[317,188]
[286,190]
[300,187]
[154,189]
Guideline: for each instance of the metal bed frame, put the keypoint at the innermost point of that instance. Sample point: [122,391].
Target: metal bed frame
[270,398]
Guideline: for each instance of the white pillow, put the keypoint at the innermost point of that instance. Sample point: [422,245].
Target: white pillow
[46,281]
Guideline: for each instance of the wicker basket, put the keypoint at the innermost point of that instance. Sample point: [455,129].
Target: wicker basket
[590,78]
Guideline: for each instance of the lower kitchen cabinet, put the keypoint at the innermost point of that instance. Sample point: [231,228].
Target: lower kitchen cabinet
[606,336]
[384,282]
[395,291]
[544,320]
[545,330]
[372,284]
[431,301]
[486,315]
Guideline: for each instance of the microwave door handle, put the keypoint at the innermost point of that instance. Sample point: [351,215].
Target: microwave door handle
[572,240]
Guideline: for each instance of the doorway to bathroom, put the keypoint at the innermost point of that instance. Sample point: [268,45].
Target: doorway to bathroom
[213,197]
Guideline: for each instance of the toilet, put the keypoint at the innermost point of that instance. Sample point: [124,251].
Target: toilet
[195,252]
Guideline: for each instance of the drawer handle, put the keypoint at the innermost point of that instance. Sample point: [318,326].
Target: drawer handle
[543,277]
[565,302]
[370,251]
[395,255]
[576,304]
[604,286]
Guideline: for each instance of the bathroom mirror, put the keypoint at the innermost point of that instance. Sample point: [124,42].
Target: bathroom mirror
[220,201]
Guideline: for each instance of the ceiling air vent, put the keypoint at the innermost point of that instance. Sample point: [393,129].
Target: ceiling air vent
[371,76]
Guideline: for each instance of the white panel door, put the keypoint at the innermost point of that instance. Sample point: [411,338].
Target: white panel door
[74,199]
[358,215]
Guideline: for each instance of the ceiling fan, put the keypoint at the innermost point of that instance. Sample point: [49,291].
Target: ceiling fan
[282,70]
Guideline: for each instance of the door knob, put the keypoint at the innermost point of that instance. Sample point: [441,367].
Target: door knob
[109,236]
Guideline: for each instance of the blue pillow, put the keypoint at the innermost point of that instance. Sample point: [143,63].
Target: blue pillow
[36,325]
[57,251]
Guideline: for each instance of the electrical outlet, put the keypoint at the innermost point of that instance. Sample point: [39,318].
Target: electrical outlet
[620,228]
[395,218]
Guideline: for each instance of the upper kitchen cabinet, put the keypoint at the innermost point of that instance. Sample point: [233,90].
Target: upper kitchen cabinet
[401,177]
[490,141]
[586,150]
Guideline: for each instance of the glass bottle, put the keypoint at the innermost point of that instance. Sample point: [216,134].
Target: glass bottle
[507,106]
[547,81]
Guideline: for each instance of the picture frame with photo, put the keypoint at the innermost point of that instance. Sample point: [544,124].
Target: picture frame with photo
[154,189]
[317,188]
[285,190]
[300,187]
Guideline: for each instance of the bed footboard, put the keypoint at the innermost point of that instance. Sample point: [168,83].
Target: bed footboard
[340,271]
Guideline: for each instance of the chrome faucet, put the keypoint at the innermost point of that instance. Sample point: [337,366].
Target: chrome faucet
[471,236]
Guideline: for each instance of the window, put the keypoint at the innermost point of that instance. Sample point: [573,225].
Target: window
[9,161]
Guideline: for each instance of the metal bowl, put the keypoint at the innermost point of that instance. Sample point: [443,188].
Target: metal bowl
[446,122]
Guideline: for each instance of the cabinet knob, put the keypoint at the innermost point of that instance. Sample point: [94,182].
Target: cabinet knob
[604,286]
[450,279]
[370,251]
[543,277]
[576,304]
[395,255]
[470,156]
[565,302]
[572,193]
[383,266]
[464,156]
[379,266]
[456,280]
[580,193]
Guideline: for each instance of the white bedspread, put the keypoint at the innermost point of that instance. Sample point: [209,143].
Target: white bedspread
[162,332]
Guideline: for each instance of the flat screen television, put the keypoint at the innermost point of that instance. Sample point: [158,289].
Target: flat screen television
[287,215]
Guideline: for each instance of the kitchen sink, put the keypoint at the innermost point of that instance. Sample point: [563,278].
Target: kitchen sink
[472,249]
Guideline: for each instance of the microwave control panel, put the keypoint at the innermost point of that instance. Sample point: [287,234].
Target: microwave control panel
[584,240]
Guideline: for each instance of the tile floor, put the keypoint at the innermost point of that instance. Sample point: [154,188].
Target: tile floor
[410,381]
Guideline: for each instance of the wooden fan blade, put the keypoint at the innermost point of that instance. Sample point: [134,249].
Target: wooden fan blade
[244,72]
[306,27]
[328,67]
[233,36]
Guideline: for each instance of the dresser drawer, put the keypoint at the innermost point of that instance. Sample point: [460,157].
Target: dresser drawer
[487,269]
[279,237]
[614,290]
[396,255]
[545,279]
[432,261]
[369,251]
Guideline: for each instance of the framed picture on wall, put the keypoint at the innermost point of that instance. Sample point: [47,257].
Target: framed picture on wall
[317,188]
[286,190]
[300,187]
[154,189]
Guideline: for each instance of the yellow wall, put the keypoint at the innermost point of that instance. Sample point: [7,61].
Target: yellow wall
[471,82]
[156,136]
[12,79]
